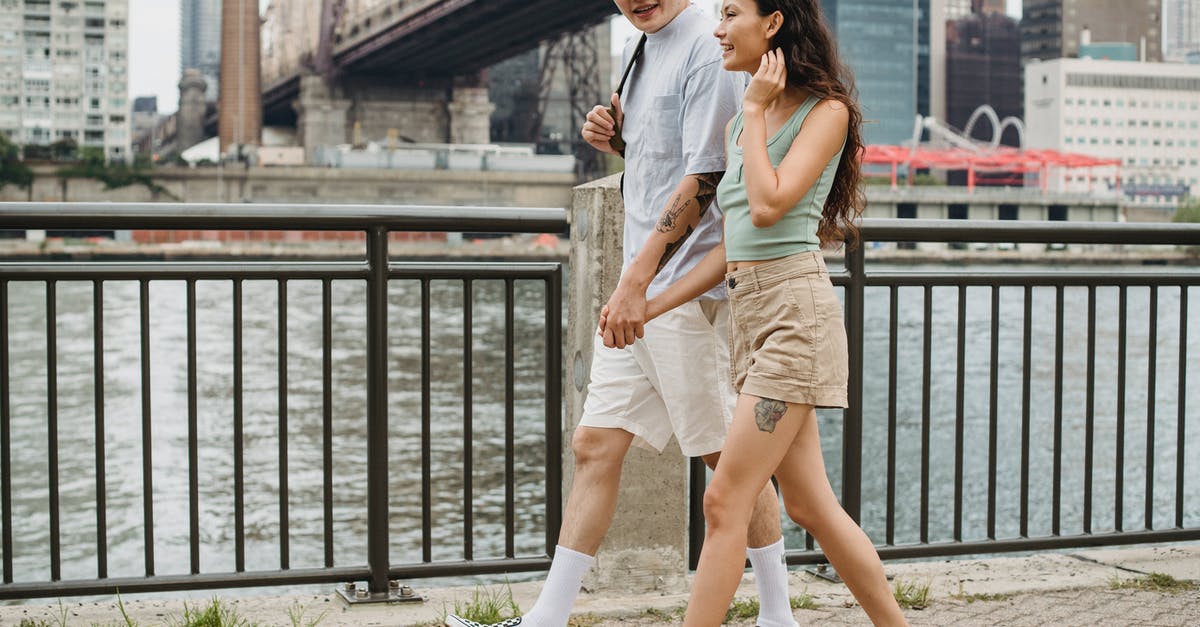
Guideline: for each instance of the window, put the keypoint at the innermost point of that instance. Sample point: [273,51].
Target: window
[1008,212]
[957,211]
[1058,213]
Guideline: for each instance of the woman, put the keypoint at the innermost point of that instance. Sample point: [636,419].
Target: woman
[791,185]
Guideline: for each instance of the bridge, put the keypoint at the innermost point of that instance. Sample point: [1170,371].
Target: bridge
[413,51]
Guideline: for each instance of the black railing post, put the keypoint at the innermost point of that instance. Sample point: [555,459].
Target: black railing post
[554,404]
[852,417]
[377,407]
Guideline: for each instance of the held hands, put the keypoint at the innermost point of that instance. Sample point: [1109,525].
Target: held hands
[601,125]
[768,82]
[623,318]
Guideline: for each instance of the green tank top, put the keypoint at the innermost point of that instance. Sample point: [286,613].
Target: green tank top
[796,231]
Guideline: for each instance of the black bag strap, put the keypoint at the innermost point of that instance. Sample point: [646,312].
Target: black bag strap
[637,53]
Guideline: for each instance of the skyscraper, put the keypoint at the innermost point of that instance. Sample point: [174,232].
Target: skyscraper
[240,111]
[200,40]
[64,74]
[931,58]
[878,39]
[983,67]
[1181,26]
[1051,29]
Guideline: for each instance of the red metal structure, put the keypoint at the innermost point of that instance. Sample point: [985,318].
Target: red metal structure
[1001,160]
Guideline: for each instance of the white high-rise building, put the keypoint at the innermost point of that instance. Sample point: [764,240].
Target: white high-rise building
[1181,29]
[1145,114]
[64,73]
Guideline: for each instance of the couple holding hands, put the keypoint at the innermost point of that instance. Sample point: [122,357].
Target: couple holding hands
[724,330]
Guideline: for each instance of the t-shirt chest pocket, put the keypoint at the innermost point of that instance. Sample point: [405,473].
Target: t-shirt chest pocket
[663,133]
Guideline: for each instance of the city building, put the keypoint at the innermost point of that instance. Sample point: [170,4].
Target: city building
[143,121]
[1181,29]
[931,57]
[64,73]
[957,9]
[239,121]
[983,67]
[878,40]
[1146,114]
[200,41]
[1051,29]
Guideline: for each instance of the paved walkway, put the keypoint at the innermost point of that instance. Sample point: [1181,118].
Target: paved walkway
[1086,588]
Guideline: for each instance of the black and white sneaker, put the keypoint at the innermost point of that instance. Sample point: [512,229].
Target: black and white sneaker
[453,620]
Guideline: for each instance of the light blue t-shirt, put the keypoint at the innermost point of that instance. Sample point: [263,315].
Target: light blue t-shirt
[676,104]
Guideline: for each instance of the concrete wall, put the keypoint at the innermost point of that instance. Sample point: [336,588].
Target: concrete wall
[646,547]
[314,185]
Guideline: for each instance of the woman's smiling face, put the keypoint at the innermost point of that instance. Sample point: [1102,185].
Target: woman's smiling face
[744,35]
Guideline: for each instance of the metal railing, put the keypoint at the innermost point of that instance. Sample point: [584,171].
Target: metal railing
[377,273]
[1073,483]
[941,521]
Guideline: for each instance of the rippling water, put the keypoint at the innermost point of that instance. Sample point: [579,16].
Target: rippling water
[122,409]
[123,415]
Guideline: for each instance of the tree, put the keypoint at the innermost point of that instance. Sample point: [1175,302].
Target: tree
[12,169]
[1188,210]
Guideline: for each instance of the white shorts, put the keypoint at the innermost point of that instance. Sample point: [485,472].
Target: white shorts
[675,380]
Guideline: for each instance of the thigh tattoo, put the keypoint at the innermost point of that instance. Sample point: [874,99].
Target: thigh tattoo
[767,412]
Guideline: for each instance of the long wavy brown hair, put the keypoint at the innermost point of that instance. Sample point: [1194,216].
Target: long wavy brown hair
[813,65]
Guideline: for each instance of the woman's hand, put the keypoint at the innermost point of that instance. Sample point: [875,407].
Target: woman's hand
[768,82]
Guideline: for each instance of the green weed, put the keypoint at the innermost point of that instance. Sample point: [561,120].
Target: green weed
[1154,582]
[487,606]
[911,595]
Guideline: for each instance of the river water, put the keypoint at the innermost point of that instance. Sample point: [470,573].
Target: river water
[122,409]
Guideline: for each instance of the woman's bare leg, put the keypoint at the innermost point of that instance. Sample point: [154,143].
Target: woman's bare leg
[811,503]
[752,451]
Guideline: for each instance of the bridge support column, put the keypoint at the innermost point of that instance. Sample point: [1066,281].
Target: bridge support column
[470,115]
[320,116]
[646,547]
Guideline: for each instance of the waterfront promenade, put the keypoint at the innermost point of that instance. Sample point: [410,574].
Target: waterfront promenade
[1087,587]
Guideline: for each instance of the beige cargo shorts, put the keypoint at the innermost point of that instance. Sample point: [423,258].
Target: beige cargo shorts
[787,340]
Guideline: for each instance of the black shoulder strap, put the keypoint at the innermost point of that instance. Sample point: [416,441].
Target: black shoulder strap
[637,54]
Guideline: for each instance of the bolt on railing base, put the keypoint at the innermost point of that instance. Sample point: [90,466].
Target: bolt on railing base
[354,594]
[824,571]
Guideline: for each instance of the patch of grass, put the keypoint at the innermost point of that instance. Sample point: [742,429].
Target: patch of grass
[29,622]
[911,595]
[1154,582]
[804,601]
[667,615]
[583,620]
[743,608]
[487,606]
[296,616]
[985,596]
[215,614]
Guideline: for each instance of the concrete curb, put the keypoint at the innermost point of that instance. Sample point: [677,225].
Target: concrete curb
[1045,588]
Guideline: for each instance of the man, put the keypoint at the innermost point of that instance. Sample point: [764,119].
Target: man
[675,379]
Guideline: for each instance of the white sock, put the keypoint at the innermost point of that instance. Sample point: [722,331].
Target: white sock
[554,604]
[770,574]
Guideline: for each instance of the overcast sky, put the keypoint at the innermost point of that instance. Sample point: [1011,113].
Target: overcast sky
[154,46]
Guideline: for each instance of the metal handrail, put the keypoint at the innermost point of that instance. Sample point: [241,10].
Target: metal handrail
[377,271]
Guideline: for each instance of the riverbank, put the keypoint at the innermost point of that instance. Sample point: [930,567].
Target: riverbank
[542,247]
[1091,587]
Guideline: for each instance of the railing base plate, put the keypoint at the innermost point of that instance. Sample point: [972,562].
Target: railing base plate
[355,595]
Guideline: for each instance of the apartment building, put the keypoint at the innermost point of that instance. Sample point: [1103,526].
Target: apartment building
[1146,114]
[64,73]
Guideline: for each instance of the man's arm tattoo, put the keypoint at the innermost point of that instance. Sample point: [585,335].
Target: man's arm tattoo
[767,413]
[706,191]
